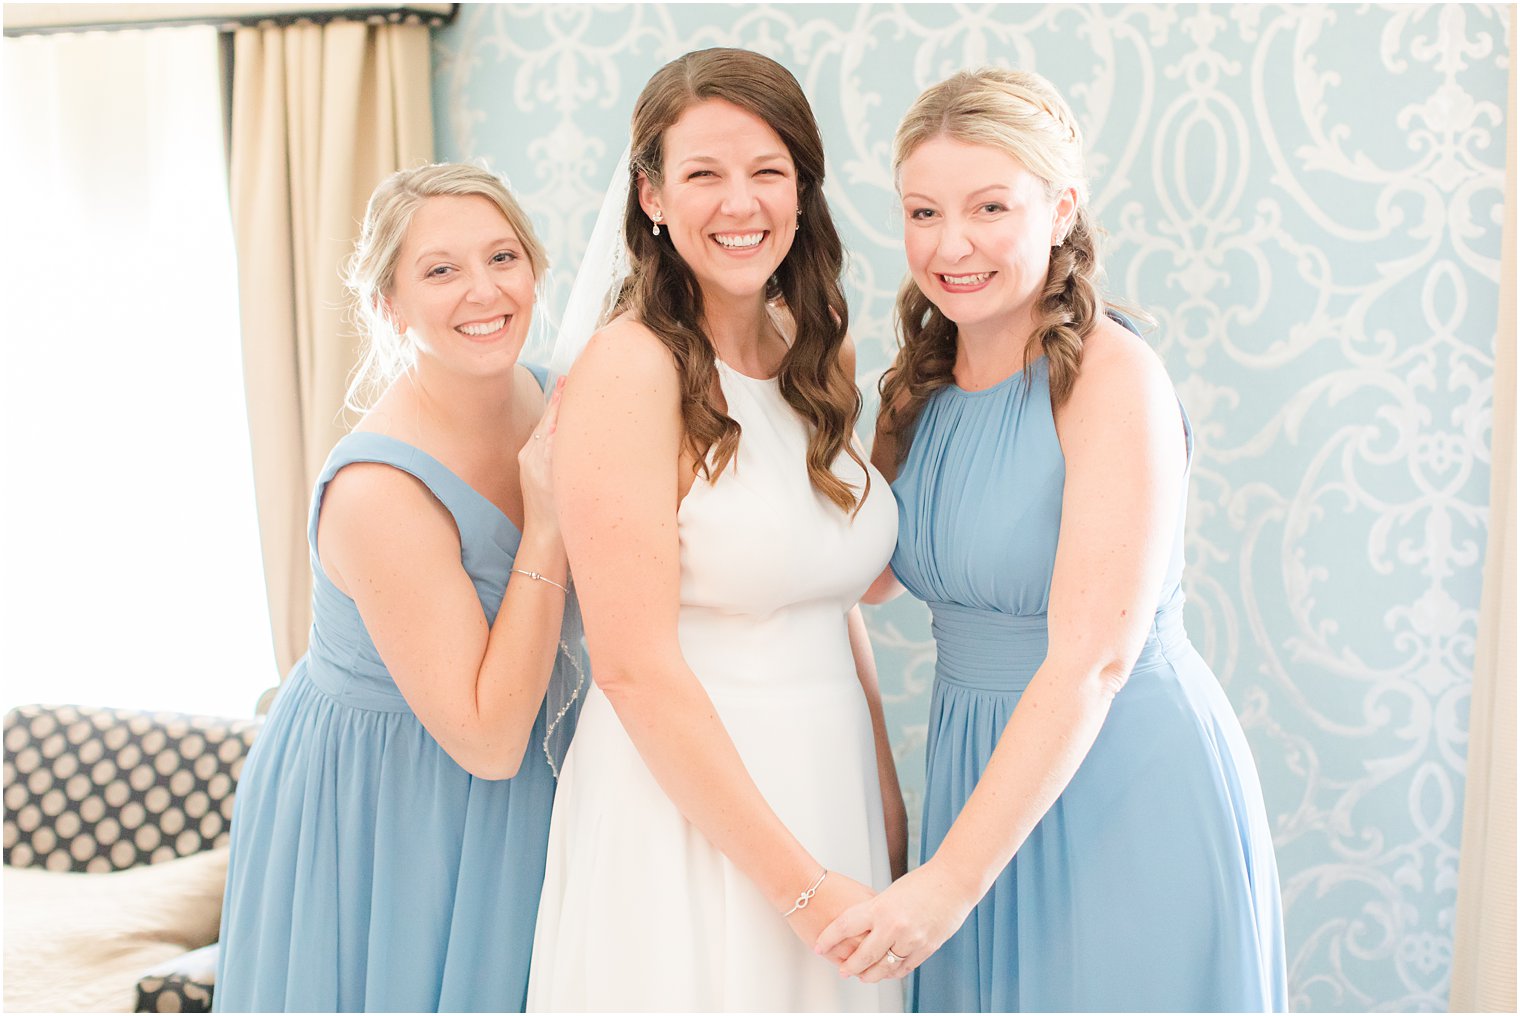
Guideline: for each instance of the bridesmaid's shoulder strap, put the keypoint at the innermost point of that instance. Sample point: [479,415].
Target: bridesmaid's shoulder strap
[368,446]
[540,374]
[1122,320]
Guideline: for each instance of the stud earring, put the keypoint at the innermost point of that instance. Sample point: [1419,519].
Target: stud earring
[657,217]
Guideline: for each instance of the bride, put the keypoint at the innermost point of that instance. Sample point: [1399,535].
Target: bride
[730,789]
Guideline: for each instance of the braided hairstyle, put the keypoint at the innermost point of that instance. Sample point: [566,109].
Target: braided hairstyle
[665,295]
[1020,113]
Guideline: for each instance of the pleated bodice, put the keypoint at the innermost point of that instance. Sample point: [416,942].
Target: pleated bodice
[1150,883]
[979,509]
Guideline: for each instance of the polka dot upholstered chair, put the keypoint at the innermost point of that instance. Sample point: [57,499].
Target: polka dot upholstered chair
[102,790]
[107,789]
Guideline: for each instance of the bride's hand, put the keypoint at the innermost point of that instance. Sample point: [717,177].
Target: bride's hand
[836,894]
[913,917]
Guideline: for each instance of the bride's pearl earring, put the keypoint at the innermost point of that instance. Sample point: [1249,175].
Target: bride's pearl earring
[657,217]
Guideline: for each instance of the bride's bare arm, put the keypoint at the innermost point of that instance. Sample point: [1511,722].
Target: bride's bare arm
[616,483]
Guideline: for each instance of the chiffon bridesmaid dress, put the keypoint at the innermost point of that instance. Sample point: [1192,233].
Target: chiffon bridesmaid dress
[369,871]
[1151,883]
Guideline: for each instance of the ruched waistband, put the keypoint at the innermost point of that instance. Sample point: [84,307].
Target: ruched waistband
[375,692]
[991,651]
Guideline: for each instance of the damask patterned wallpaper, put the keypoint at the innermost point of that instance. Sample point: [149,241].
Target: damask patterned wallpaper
[1308,200]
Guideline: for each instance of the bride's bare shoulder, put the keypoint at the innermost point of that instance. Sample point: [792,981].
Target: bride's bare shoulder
[625,351]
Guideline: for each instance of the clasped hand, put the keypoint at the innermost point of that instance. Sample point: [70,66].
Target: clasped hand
[913,917]
[836,894]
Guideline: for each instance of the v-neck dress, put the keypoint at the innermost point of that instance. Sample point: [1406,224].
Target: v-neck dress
[368,870]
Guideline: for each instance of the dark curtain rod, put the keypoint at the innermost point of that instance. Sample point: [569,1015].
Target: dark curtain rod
[391,15]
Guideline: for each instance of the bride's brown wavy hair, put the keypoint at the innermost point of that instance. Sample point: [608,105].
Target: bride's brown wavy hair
[1020,113]
[665,295]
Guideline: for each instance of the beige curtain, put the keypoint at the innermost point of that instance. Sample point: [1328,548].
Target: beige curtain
[1483,962]
[320,114]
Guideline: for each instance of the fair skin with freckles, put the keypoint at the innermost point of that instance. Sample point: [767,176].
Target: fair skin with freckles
[463,295]
[728,202]
[978,228]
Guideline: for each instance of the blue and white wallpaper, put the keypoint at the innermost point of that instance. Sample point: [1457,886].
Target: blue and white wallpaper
[1308,200]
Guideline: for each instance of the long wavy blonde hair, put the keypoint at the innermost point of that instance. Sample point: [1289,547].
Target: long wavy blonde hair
[1020,113]
[666,297]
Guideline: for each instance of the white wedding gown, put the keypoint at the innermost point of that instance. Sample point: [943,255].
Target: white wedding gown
[639,912]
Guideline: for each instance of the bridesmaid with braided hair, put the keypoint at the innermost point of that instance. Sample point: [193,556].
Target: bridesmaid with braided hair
[1094,835]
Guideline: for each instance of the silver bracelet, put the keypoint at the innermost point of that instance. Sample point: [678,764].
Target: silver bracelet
[807,894]
[539,577]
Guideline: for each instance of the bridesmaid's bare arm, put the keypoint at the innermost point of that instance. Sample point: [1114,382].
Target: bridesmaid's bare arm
[1120,433]
[476,685]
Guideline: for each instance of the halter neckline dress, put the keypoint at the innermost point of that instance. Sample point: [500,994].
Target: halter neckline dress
[1151,884]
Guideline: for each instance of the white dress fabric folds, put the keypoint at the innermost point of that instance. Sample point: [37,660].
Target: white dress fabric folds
[639,911]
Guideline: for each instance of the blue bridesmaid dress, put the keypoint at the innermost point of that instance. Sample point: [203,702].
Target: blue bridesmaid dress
[1151,883]
[368,870]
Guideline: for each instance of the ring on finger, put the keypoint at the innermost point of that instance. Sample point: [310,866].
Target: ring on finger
[893,959]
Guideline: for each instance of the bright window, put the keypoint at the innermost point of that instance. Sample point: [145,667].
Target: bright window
[129,551]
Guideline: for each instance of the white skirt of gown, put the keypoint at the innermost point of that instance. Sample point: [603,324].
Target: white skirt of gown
[639,912]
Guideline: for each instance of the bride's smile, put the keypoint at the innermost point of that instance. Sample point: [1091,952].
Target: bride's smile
[727,197]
